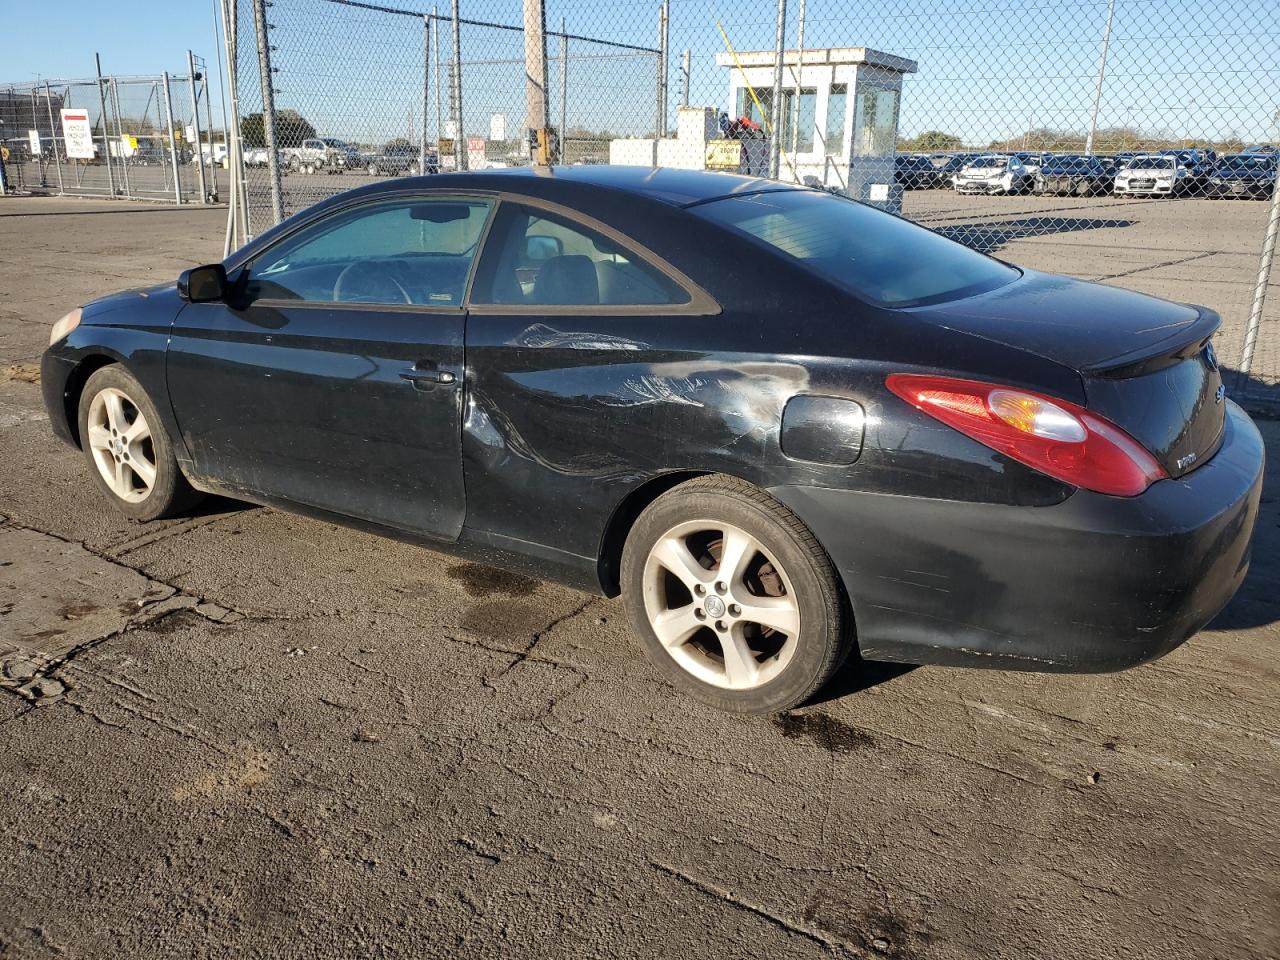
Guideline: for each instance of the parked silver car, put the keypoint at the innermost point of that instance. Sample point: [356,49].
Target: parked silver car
[995,173]
[1151,176]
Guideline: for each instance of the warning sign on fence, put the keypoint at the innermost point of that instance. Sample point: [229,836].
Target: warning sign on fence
[77,134]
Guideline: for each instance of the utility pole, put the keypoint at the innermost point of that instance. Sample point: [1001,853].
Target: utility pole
[1102,72]
[537,109]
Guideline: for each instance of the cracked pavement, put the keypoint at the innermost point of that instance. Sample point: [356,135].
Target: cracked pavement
[244,733]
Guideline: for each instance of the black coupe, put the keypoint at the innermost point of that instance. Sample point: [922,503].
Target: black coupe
[782,424]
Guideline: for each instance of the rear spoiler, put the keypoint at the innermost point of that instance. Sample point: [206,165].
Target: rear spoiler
[1183,340]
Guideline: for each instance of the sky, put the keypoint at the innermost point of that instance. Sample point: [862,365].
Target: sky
[989,69]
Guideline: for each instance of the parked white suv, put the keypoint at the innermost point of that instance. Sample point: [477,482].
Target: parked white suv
[1151,176]
[995,173]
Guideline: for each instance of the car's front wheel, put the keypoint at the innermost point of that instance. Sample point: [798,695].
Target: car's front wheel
[734,598]
[128,450]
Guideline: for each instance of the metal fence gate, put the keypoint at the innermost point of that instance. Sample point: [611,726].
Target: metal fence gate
[150,137]
[1132,88]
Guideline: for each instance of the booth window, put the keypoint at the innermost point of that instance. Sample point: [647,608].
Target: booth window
[807,118]
[873,124]
[836,98]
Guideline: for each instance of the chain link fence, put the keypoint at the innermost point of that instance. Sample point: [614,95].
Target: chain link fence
[135,137]
[1121,141]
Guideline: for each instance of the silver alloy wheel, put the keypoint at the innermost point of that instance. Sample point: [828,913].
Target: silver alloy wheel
[721,605]
[123,450]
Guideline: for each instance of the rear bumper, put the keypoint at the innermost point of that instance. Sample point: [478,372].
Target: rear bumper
[1095,583]
[1247,190]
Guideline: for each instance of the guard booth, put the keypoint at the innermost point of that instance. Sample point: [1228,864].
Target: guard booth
[839,115]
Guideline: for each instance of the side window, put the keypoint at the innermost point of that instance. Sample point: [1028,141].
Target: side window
[399,252]
[536,258]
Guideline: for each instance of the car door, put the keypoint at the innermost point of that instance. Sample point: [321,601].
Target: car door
[577,378]
[332,376]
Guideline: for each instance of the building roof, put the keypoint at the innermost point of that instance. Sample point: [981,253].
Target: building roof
[822,56]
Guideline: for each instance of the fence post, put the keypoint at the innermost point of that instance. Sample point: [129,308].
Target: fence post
[662,69]
[799,72]
[53,135]
[455,95]
[208,119]
[124,160]
[173,145]
[426,92]
[268,108]
[1260,291]
[1102,70]
[106,137]
[684,79]
[195,127]
[435,49]
[775,134]
[564,90]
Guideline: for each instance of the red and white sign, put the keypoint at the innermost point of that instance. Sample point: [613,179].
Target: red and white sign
[77,134]
[475,153]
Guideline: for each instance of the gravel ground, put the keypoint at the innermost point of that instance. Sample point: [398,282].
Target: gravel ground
[243,733]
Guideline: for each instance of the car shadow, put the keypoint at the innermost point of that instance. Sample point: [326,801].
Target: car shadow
[988,237]
[856,675]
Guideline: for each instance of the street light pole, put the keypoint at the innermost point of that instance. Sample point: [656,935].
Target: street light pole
[1102,72]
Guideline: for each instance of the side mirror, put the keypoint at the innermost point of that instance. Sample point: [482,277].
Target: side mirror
[539,247]
[203,284]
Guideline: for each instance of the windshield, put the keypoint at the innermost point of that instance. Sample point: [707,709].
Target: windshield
[1150,163]
[1248,161]
[997,163]
[876,256]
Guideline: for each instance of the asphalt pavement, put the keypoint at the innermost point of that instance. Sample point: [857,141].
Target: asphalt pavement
[244,733]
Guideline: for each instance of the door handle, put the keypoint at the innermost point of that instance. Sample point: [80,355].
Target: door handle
[425,379]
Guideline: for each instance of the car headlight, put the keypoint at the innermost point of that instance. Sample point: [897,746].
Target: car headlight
[65,326]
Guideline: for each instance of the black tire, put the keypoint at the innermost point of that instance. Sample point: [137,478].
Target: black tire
[169,493]
[825,634]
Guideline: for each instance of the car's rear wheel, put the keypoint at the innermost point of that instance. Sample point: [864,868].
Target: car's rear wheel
[128,450]
[734,598]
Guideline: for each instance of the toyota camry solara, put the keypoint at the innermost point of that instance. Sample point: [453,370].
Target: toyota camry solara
[781,424]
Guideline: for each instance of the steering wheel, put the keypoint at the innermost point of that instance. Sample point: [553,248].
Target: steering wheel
[367,281]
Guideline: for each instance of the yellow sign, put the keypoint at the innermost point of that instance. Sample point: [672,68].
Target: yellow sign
[131,142]
[724,154]
[4,153]
[445,145]
[177,133]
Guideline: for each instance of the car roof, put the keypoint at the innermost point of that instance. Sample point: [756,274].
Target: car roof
[679,188]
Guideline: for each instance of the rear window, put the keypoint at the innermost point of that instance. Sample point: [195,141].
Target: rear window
[874,255]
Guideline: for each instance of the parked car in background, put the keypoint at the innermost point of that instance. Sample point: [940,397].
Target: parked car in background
[1243,175]
[1074,176]
[1031,161]
[915,172]
[1266,148]
[327,154]
[949,166]
[994,173]
[1197,164]
[400,159]
[1151,176]
[1018,470]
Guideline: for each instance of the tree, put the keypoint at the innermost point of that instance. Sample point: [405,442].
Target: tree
[291,129]
[934,141]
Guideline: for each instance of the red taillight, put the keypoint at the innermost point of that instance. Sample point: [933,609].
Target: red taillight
[1053,436]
